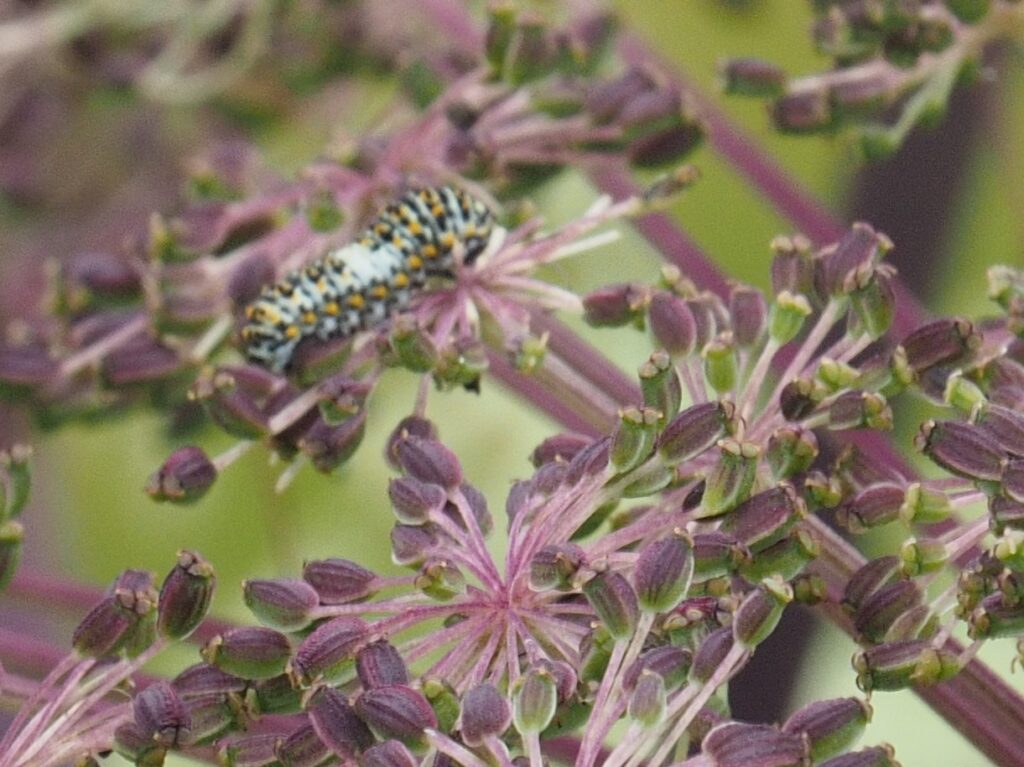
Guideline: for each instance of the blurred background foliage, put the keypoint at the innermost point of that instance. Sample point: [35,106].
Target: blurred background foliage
[97,157]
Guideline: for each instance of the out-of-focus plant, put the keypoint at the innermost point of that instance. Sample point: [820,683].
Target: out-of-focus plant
[895,66]
[658,542]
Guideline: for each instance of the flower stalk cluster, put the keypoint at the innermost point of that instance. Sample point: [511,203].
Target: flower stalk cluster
[895,66]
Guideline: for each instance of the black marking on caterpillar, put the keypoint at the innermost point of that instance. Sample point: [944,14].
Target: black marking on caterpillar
[363,284]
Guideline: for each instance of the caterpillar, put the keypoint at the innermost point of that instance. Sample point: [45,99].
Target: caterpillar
[362,284]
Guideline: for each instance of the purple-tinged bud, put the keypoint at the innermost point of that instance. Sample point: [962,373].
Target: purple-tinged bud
[1004,424]
[607,98]
[328,447]
[765,518]
[749,312]
[879,610]
[1011,586]
[721,366]
[803,111]
[648,702]
[695,614]
[429,461]
[737,744]
[396,712]
[615,305]
[137,746]
[661,129]
[859,410]
[711,654]
[212,716]
[876,756]
[922,505]
[1005,514]
[660,385]
[831,726]
[440,580]
[696,429]
[710,315]
[202,679]
[548,479]
[943,341]
[379,664]
[534,701]
[12,534]
[93,279]
[633,437]
[250,751]
[161,716]
[614,602]
[444,700]
[751,77]
[251,652]
[792,266]
[672,324]
[670,662]
[302,748]
[286,604]
[873,303]
[994,618]
[390,753]
[337,725]
[561,447]
[485,713]
[716,553]
[846,265]
[229,405]
[961,449]
[555,566]
[799,398]
[328,652]
[122,620]
[916,623]
[785,558]
[791,450]
[410,426]
[414,501]
[731,479]
[412,545]
[141,362]
[339,581]
[922,555]
[874,506]
[103,630]
[760,611]
[662,573]
[184,477]
[898,665]
[185,596]
[866,581]
[24,368]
